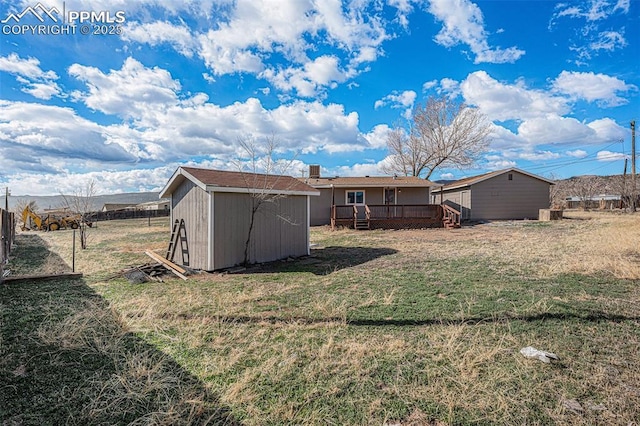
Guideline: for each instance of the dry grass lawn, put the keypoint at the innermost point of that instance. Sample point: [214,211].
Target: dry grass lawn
[411,327]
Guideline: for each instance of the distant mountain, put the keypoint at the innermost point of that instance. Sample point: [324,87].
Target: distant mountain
[55,201]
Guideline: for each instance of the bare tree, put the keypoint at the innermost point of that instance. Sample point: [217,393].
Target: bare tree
[81,203]
[262,171]
[585,188]
[442,133]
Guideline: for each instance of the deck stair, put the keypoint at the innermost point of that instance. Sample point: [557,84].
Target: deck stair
[362,224]
[451,218]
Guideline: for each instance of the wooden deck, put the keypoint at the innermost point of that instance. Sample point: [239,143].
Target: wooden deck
[395,216]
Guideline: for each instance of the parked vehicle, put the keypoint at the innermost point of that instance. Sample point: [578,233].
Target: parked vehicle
[33,221]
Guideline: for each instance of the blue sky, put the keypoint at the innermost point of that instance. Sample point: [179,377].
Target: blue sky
[174,83]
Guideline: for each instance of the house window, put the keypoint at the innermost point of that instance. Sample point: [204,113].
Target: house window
[389,195]
[510,176]
[355,197]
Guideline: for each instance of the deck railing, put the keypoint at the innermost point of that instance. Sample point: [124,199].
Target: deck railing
[451,215]
[343,215]
[405,211]
[389,215]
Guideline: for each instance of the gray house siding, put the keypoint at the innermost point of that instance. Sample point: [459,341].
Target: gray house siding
[321,208]
[190,203]
[280,229]
[412,196]
[500,198]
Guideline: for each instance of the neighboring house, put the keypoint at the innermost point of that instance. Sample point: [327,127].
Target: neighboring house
[216,207]
[110,207]
[163,204]
[602,201]
[373,192]
[500,195]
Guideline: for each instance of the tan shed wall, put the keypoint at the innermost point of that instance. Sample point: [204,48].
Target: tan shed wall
[191,203]
[459,200]
[280,229]
[500,198]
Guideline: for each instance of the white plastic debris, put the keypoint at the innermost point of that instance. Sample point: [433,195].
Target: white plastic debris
[544,356]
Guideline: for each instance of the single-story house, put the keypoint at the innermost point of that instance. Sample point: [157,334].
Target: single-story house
[500,195]
[601,201]
[215,208]
[375,193]
[163,204]
[111,207]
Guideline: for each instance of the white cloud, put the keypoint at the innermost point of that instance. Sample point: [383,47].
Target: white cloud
[610,156]
[307,81]
[577,153]
[447,176]
[128,92]
[567,130]
[592,10]
[28,68]
[497,163]
[538,155]
[36,82]
[256,30]
[500,101]
[463,22]
[41,134]
[607,130]
[159,32]
[429,85]
[377,137]
[397,99]
[590,38]
[622,5]
[360,169]
[592,87]
[608,41]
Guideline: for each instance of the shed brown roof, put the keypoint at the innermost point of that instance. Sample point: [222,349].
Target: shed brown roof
[211,179]
[391,181]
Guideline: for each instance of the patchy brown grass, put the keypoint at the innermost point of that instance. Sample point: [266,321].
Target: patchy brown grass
[384,327]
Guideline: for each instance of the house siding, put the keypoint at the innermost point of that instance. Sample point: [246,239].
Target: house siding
[320,213]
[189,202]
[501,198]
[412,196]
[321,206]
[280,229]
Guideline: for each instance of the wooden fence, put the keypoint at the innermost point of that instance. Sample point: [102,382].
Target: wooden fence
[7,237]
[126,214]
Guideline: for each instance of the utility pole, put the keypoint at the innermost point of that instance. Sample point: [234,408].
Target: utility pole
[633,165]
[6,198]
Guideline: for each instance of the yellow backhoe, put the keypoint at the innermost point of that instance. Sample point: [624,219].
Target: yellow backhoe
[32,221]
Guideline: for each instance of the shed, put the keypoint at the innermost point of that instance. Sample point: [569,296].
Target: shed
[216,209]
[499,195]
